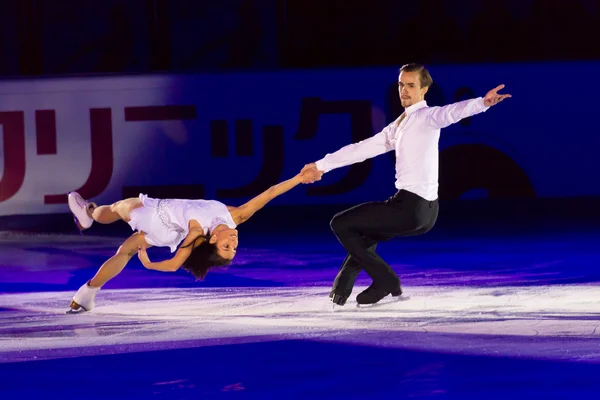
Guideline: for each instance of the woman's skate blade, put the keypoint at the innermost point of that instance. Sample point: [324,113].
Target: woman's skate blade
[75,308]
[78,225]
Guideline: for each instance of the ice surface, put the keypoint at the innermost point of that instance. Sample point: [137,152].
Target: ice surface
[555,322]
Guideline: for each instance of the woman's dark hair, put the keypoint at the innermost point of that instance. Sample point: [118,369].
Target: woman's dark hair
[204,257]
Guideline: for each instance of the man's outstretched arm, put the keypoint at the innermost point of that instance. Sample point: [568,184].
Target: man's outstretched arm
[441,117]
[355,152]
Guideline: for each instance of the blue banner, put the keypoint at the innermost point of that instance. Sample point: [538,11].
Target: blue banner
[229,136]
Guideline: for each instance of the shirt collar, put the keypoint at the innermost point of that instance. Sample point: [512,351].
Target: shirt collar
[415,107]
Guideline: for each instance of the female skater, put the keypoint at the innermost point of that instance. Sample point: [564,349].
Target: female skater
[204,228]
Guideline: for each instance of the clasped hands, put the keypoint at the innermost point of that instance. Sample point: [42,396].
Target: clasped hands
[310,173]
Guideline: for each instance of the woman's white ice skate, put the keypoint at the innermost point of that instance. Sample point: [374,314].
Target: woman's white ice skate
[83,299]
[81,211]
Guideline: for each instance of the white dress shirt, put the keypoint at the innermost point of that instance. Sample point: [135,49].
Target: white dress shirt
[415,139]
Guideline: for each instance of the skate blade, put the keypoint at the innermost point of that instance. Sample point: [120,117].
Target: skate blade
[71,311]
[383,303]
[75,308]
[78,225]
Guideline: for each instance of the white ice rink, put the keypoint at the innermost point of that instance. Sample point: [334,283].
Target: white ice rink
[549,322]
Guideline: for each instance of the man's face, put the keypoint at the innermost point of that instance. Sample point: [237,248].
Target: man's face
[409,88]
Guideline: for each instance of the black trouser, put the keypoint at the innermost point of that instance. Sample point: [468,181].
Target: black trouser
[360,228]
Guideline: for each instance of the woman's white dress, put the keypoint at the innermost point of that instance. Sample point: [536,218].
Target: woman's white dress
[165,222]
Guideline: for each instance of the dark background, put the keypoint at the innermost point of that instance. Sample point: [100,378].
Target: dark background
[43,39]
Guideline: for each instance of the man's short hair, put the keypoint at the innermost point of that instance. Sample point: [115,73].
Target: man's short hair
[424,76]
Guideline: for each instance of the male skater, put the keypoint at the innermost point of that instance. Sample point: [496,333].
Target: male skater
[413,210]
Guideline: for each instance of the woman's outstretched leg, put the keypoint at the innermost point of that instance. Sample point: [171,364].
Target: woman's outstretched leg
[85,213]
[104,214]
[116,211]
[84,298]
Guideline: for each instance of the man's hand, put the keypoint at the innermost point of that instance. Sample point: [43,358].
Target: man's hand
[309,166]
[492,97]
[310,173]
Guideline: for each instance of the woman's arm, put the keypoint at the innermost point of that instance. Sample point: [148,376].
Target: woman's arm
[182,253]
[243,213]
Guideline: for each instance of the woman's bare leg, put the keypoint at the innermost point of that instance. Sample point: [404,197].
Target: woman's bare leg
[84,298]
[114,212]
[114,265]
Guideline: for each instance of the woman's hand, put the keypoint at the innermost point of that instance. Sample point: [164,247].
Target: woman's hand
[310,174]
[143,256]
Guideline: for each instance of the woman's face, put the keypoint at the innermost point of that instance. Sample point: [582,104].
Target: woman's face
[226,242]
